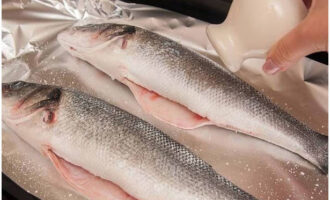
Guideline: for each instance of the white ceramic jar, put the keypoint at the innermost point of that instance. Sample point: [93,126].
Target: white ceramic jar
[252,27]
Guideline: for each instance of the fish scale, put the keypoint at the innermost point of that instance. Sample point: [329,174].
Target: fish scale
[117,146]
[193,81]
[140,138]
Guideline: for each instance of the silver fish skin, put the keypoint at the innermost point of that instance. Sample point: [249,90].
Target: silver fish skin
[190,79]
[112,144]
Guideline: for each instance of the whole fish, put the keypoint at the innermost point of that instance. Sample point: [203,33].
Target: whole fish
[188,90]
[106,153]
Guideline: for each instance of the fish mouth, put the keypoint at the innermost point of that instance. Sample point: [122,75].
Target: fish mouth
[9,88]
[90,37]
[70,45]
[83,181]
[22,99]
[14,106]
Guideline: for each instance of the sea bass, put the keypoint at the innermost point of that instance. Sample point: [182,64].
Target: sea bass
[188,90]
[106,153]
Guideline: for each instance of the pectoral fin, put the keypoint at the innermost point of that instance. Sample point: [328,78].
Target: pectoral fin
[89,185]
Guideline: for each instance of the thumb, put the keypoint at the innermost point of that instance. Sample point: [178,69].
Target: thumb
[299,42]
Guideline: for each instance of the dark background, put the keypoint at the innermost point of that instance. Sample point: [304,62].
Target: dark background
[12,191]
[212,11]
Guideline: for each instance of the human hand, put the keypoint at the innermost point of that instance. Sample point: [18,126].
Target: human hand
[310,36]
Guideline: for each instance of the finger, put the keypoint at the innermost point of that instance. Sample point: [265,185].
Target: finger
[301,41]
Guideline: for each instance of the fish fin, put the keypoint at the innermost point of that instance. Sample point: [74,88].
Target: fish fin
[86,183]
[164,109]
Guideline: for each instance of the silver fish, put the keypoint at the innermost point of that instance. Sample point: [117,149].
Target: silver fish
[188,90]
[92,143]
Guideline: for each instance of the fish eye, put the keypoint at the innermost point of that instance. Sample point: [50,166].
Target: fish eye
[48,116]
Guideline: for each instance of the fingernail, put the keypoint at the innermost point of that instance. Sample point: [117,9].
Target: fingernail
[270,68]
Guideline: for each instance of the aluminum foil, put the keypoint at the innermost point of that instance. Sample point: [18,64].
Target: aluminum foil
[30,52]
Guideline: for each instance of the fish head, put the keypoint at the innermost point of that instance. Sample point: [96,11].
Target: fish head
[81,40]
[29,109]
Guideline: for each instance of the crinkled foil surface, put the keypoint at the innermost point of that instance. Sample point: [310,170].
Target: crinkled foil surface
[30,52]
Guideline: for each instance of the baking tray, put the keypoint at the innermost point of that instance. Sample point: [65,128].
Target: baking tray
[31,52]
